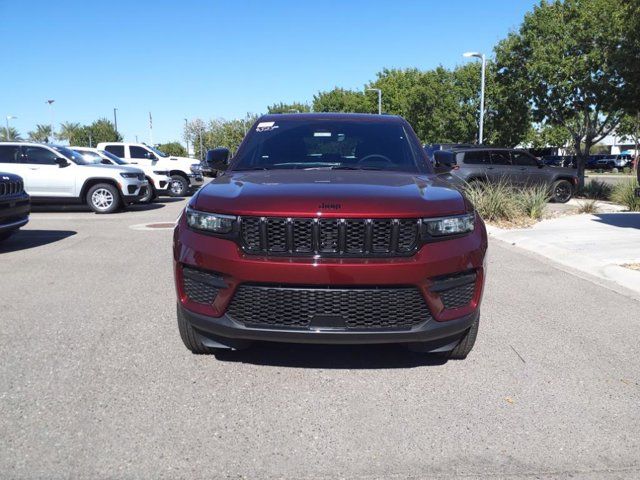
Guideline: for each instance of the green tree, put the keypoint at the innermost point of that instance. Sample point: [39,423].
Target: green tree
[173,148]
[627,58]
[68,131]
[295,107]
[630,127]
[396,85]
[342,100]
[42,133]
[10,135]
[561,60]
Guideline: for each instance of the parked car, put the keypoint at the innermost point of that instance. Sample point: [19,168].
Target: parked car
[515,166]
[58,174]
[185,173]
[14,204]
[159,180]
[329,228]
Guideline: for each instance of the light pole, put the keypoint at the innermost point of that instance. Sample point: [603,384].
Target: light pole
[9,117]
[115,119]
[186,134]
[379,98]
[484,64]
[50,102]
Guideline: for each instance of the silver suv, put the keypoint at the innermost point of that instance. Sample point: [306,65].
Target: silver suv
[517,167]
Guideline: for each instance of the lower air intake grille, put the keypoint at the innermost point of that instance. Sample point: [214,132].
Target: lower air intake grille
[348,308]
[198,285]
[456,291]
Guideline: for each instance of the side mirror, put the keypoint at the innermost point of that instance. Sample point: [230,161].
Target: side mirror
[149,156]
[62,162]
[104,161]
[443,162]
[218,158]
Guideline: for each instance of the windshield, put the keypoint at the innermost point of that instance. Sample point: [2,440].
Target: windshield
[330,144]
[113,158]
[71,155]
[160,153]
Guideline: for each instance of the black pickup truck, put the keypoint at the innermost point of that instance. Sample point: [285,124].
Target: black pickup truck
[15,205]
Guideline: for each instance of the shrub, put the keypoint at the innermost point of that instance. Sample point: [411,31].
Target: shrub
[596,190]
[624,194]
[588,206]
[501,202]
[533,201]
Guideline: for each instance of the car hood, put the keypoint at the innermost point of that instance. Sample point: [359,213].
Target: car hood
[114,168]
[330,193]
[191,161]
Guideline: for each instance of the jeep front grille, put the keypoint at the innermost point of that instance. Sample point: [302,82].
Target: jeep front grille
[330,237]
[262,306]
[10,187]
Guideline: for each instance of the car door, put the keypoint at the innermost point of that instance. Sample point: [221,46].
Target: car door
[477,165]
[10,156]
[527,169]
[502,168]
[141,156]
[45,178]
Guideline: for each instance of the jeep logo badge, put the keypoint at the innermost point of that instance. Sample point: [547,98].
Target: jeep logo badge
[330,206]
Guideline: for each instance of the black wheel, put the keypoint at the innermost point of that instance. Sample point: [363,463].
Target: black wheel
[150,196]
[465,345]
[561,191]
[103,198]
[179,186]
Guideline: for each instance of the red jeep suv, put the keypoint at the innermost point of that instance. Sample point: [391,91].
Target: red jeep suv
[329,228]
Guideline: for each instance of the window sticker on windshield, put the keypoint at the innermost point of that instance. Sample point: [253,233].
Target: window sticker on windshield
[266,126]
[321,134]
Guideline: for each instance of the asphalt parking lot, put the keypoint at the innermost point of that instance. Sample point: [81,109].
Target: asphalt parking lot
[95,382]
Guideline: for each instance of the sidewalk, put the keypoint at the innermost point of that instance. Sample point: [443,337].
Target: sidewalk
[595,244]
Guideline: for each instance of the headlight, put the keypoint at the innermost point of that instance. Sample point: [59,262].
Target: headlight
[161,172]
[129,175]
[443,226]
[210,222]
[196,168]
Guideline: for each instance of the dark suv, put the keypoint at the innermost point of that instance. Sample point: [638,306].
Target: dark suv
[518,167]
[329,228]
[14,205]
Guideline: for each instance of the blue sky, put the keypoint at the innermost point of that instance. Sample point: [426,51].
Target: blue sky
[211,59]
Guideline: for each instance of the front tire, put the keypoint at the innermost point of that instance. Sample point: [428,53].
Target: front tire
[179,186]
[150,195]
[189,336]
[103,198]
[561,191]
[466,343]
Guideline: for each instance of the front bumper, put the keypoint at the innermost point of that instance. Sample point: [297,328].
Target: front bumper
[133,192]
[196,180]
[216,332]
[425,271]
[14,212]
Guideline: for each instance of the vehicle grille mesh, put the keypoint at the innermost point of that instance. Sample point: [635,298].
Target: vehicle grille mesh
[355,308]
[198,287]
[10,187]
[458,296]
[330,237]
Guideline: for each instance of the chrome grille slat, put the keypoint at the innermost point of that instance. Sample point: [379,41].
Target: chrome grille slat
[335,237]
[10,187]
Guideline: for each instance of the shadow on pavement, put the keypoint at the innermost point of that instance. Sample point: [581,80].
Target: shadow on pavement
[25,239]
[137,207]
[169,199]
[623,220]
[344,357]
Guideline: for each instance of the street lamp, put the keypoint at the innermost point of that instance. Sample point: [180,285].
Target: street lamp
[186,134]
[484,63]
[115,119]
[379,98]
[9,117]
[50,102]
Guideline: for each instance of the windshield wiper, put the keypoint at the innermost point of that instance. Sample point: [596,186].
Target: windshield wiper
[250,169]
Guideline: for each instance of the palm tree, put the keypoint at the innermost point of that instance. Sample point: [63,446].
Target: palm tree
[68,131]
[42,133]
[9,135]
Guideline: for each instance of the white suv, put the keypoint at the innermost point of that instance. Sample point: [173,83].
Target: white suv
[159,180]
[186,173]
[58,174]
